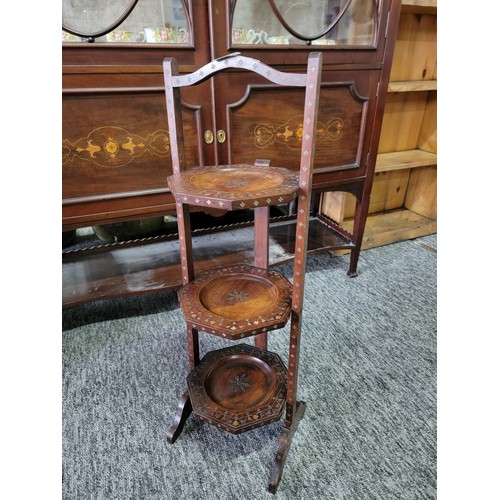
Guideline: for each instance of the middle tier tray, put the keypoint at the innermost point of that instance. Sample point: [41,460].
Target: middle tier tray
[237,301]
[238,388]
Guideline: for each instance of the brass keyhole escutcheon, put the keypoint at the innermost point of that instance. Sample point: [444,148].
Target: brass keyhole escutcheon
[221,136]
[209,137]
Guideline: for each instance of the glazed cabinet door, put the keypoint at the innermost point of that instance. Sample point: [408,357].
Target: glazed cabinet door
[133,32]
[259,121]
[346,30]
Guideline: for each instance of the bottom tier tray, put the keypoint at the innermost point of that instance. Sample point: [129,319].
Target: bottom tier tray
[238,388]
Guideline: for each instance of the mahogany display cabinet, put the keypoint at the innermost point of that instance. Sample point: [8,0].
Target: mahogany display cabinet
[116,145]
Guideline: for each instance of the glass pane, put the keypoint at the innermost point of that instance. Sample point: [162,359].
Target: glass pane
[90,16]
[151,21]
[320,22]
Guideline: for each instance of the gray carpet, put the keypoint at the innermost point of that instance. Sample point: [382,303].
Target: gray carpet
[367,373]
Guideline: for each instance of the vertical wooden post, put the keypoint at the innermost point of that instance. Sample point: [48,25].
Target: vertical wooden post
[261,258]
[173,98]
[261,245]
[261,237]
[302,231]
[360,214]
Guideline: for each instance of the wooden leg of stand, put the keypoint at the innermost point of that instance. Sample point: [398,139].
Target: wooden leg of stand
[261,247]
[261,341]
[184,409]
[193,347]
[284,444]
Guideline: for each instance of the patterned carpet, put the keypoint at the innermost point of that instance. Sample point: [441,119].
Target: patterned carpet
[367,373]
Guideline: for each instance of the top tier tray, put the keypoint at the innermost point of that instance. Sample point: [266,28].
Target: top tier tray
[234,187]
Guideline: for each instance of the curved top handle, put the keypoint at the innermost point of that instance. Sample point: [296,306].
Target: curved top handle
[234,61]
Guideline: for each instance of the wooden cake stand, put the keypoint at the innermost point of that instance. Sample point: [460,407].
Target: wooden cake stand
[242,387]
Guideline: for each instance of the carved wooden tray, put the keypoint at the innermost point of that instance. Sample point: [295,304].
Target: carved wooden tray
[237,301]
[234,187]
[238,388]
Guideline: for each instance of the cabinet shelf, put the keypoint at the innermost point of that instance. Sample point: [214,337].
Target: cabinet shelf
[419,3]
[152,264]
[393,226]
[412,86]
[400,160]
[419,6]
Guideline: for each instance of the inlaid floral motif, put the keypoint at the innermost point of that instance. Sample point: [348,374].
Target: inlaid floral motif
[115,146]
[290,134]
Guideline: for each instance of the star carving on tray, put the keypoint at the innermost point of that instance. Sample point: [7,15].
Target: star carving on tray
[235,183]
[236,296]
[239,383]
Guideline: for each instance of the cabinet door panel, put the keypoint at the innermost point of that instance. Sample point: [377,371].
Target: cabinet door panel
[263,121]
[117,146]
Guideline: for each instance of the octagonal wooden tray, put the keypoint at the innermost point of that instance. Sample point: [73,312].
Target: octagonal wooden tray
[237,301]
[238,388]
[234,187]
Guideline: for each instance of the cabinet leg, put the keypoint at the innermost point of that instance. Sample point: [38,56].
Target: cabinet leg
[284,444]
[362,205]
[184,409]
[353,263]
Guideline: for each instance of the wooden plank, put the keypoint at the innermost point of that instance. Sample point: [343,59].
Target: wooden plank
[421,197]
[399,160]
[403,117]
[333,205]
[419,6]
[419,3]
[388,191]
[427,139]
[415,53]
[350,206]
[412,86]
[392,227]
[338,205]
